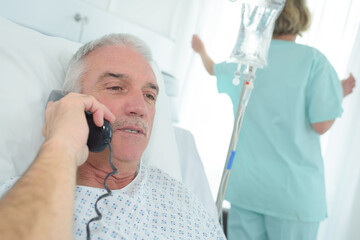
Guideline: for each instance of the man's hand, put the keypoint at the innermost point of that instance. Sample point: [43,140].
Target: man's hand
[40,205]
[65,122]
[348,85]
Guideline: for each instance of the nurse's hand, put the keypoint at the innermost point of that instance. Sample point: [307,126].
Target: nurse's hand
[199,48]
[348,85]
[197,44]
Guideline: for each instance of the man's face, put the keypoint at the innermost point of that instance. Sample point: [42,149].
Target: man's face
[123,80]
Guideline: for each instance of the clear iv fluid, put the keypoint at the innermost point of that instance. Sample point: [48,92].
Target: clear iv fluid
[255,32]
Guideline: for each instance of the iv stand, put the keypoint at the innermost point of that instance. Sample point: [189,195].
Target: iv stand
[249,76]
[258,17]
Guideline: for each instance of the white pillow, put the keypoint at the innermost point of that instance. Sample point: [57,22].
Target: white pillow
[31,65]
[162,151]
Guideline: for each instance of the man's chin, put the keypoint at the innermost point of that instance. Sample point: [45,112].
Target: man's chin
[128,150]
[128,155]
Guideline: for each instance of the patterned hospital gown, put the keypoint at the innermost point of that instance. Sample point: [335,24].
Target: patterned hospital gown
[153,206]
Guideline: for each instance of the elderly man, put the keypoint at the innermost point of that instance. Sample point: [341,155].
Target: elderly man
[118,84]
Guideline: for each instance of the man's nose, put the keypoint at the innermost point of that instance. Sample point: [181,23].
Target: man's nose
[135,104]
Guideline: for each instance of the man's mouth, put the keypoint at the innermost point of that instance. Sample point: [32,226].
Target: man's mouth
[131,130]
[131,125]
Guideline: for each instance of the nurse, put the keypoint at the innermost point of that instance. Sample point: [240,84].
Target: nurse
[276,188]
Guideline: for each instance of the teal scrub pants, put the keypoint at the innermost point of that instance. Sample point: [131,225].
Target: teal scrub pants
[247,225]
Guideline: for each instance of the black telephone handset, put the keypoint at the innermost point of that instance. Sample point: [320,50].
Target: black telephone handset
[99,137]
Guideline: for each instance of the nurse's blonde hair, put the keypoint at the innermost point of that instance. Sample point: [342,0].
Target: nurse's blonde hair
[294,19]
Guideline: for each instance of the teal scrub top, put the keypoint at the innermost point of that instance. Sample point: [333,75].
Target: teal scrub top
[278,168]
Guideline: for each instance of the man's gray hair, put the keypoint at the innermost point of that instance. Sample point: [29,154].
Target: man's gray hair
[76,69]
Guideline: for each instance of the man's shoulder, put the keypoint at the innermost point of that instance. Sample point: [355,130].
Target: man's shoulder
[177,198]
[165,183]
[168,187]
[157,174]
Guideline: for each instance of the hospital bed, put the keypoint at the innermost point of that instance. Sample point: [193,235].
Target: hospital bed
[32,64]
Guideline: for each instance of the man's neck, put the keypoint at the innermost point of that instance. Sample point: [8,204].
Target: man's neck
[286,37]
[93,172]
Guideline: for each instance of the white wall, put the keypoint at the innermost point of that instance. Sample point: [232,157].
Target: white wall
[56,17]
[159,16]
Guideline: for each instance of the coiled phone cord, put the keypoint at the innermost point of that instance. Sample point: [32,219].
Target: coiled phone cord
[99,215]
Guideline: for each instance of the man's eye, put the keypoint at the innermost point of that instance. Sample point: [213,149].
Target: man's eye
[150,96]
[115,88]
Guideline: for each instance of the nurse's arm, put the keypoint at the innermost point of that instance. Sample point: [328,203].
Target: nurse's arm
[348,85]
[322,127]
[198,46]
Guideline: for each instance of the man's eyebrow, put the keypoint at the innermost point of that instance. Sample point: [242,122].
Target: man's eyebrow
[123,76]
[153,86]
[115,75]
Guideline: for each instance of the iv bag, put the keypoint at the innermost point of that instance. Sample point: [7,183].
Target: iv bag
[255,32]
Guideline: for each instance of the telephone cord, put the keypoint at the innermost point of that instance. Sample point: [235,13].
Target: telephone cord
[99,215]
